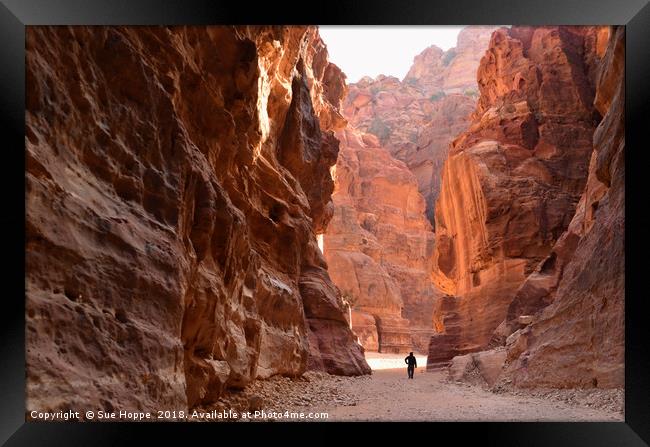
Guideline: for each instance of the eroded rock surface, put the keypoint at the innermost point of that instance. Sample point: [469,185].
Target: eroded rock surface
[512,182]
[577,337]
[176,180]
[379,246]
[454,70]
[392,121]
[416,119]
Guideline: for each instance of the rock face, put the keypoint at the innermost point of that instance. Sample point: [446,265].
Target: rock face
[578,339]
[176,180]
[379,246]
[454,70]
[417,118]
[512,182]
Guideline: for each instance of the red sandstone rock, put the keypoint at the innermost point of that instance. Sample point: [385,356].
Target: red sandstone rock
[416,119]
[449,117]
[365,327]
[369,241]
[578,339]
[461,369]
[483,368]
[176,178]
[490,364]
[454,70]
[512,182]
[378,245]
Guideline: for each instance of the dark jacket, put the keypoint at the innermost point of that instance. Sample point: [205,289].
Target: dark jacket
[411,361]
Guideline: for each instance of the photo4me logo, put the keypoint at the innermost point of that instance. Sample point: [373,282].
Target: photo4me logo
[256,415]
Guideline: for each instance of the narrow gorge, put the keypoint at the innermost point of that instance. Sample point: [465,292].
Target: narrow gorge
[380,245]
[216,214]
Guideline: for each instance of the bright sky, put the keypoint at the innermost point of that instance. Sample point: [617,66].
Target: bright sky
[372,50]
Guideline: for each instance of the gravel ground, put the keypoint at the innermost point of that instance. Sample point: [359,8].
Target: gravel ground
[611,401]
[387,395]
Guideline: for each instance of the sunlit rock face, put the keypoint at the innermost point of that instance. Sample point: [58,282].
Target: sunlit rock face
[512,181]
[176,179]
[379,246]
[415,119]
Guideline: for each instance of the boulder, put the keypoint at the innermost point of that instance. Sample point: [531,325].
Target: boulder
[482,368]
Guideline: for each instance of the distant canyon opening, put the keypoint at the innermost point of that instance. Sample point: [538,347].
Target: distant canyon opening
[379,244]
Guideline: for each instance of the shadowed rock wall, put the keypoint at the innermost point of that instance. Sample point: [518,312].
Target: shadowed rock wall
[176,178]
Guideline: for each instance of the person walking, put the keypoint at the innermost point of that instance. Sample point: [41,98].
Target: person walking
[411,363]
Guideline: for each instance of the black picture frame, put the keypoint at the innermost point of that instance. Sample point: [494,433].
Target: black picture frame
[16,14]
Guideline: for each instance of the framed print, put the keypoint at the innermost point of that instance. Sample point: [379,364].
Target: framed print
[334,216]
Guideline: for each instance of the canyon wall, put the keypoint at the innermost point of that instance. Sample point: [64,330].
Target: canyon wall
[512,181]
[176,180]
[576,296]
[416,119]
[379,246]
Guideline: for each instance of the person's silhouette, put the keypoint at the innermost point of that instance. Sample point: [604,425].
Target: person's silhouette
[411,363]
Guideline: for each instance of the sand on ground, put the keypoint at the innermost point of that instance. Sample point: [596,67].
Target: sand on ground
[388,395]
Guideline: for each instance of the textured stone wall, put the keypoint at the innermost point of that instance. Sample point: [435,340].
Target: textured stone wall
[379,245]
[176,180]
[512,181]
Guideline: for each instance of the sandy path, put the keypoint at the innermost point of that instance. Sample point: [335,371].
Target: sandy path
[389,395]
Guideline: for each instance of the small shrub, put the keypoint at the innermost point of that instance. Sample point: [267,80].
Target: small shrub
[347,299]
[448,56]
[379,129]
[437,96]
